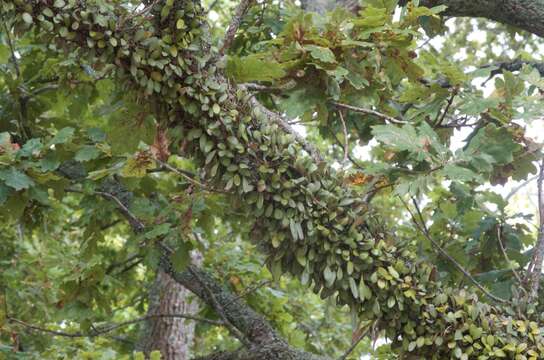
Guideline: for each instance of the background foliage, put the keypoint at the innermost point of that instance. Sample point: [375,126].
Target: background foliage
[73,127]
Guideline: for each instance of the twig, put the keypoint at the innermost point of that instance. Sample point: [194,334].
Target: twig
[424,43]
[137,14]
[369,112]
[450,258]
[241,10]
[354,344]
[212,5]
[23,100]
[185,175]
[507,258]
[12,49]
[129,267]
[122,263]
[249,290]
[440,119]
[519,187]
[135,223]
[112,327]
[220,311]
[534,270]
[258,87]
[110,225]
[346,143]
[264,88]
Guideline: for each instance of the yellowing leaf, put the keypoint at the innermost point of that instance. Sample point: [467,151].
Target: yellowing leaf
[252,68]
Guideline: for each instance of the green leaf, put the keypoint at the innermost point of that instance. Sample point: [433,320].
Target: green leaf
[458,173]
[157,231]
[16,179]
[4,192]
[494,141]
[181,258]
[31,148]
[27,18]
[252,68]
[329,276]
[49,162]
[63,136]
[372,17]
[180,24]
[322,54]
[301,101]
[87,153]
[404,138]
[125,133]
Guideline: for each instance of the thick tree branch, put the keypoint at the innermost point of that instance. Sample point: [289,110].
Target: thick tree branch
[219,310]
[534,271]
[261,341]
[239,13]
[524,14]
[515,65]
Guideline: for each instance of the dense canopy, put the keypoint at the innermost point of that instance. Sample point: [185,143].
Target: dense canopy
[153,156]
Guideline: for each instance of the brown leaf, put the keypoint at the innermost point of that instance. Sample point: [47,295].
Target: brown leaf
[159,149]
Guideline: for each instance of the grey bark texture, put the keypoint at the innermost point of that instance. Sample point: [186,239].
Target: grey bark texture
[524,14]
[173,337]
[527,15]
[264,342]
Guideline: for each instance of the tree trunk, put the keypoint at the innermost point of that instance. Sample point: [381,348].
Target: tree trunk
[173,337]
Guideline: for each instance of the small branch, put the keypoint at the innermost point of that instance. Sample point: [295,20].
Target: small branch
[440,119]
[512,66]
[250,289]
[276,118]
[122,263]
[212,6]
[534,271]
[259,87]
[240,12]
[360,110]
[110,225]
[220,311]
[138,14]
[135,223]
[507,258]
[12,50]
[422,229]
[186,175]
[129,267]
[519,187]
[106,329]
[271,89]
[355,343]
[346,143]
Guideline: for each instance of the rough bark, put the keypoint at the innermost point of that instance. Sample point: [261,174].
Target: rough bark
[524,14]
[265,342]
[173,337]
